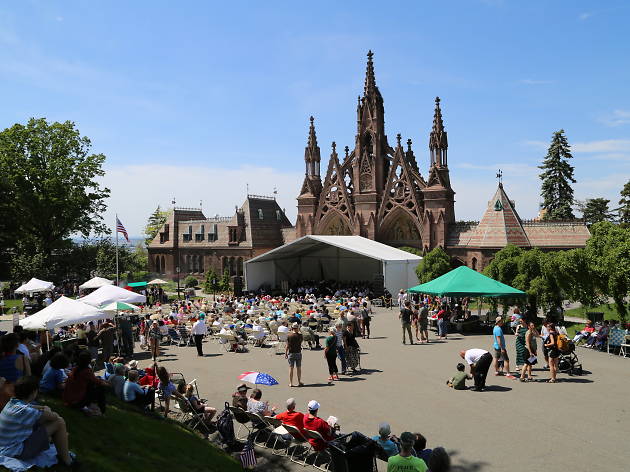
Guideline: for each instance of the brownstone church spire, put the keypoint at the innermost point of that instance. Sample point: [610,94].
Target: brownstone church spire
[370,80]
[438,142]
[311,152]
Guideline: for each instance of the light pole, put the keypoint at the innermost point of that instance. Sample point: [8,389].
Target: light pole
[177,271]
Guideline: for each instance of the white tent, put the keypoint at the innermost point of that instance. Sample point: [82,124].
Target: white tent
[62,312]
[110,293]
[157,282]
[342,258]
[35,285]
[95,282]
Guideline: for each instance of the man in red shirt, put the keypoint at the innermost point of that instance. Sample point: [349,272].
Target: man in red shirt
[292,417]
[314,423]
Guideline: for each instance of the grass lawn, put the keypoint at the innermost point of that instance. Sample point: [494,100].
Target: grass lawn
[610,313]
[9,304]
[126,440]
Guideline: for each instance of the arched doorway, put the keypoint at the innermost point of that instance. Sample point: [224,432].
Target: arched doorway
[399,229]
[334,224]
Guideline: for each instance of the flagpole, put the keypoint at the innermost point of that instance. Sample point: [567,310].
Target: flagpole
[116,229]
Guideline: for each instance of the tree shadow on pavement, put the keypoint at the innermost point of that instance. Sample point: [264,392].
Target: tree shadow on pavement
[466,465]
[496,388]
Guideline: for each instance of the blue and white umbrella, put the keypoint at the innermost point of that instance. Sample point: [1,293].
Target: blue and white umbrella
[258,378]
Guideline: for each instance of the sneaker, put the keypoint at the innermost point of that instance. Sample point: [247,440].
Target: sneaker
[498,373]
[510,376]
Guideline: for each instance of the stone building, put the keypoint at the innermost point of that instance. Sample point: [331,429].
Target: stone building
[374,190]
[194,243]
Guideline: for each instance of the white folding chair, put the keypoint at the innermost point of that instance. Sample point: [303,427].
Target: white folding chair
[310,434]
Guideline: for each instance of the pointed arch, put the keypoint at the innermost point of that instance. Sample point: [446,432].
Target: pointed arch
[334,196]
[334,224]
[400,227]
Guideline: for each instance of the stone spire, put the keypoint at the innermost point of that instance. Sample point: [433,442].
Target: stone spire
[311,152]
[370,81]
[438,142]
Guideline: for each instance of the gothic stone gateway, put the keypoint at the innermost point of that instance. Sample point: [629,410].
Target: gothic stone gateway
[375,191]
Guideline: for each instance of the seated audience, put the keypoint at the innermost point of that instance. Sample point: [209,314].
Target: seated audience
[83,389]
[137,395]
[405,460]
[13,366]
[384,440]
[149,379]
[588,330]
[292,417]
[239,398]
[167,388]
[458,381]
[54,378]
[420,448]
[256,405]
[201,408]
[314,423]
[26,429]
[117,381]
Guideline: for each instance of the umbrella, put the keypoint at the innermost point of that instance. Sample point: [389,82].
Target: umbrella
[258,378]
[120,306]
[157,282]
[156,316]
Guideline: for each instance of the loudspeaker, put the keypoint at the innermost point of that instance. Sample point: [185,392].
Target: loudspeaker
[237,284]
[378,286]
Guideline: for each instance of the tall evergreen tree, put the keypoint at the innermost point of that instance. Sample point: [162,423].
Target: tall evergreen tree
[596,210]
[557,177]
[155,222]
[624,204]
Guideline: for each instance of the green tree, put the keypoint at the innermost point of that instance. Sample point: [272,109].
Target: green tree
[211,283]
[190,282]
[596,210]
[557,177]
[434,264]
[129,261]
[154,224]
[52,180]
[624,204]
[226,283]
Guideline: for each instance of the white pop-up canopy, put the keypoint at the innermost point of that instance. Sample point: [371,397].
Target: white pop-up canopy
[340,258]
[62,312]
[35,285]
[157,282]
[95,282]
[110,293]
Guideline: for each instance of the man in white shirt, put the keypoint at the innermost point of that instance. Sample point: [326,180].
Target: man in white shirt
[479,361]
[198,331]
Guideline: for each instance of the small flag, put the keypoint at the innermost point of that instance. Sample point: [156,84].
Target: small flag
[121,229]
[248,455]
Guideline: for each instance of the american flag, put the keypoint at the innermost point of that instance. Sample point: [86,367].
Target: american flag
[248,455]
[121,229]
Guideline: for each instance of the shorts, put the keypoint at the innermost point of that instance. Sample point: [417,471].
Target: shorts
[35,444]
[295,359]
[554,353]
[502,356]
[424,324]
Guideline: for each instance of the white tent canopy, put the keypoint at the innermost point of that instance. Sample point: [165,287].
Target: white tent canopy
[95,282]
[110,293]
[157,282]
[35,285]
[62,312]
[342,258]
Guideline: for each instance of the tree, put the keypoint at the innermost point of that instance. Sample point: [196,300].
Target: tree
[624,204]
[557,177]
[596,210]
[190,282]
[434,264]
[52,180]
[226,282]
[154,224]
[211,284]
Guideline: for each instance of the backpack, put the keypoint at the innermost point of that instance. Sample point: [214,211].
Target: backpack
[225,426]
[562,342]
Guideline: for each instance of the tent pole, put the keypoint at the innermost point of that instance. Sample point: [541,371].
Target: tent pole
[117,281]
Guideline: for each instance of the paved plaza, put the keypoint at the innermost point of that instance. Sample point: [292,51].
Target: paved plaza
[581,422]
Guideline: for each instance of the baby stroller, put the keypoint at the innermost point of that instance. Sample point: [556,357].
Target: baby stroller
[568,361]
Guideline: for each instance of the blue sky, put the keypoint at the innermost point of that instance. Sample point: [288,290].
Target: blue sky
[193,100]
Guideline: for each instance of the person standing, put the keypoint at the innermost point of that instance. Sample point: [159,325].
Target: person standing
[199,330]
[106,337]
[530,353]
[366,319]
[552,351]
[442,323]
[402,298]
[405,318]
[423,322]
[352,349]
[501,359]
[330,353]
[479,361]
[293,353]
[340,327]
[519,340]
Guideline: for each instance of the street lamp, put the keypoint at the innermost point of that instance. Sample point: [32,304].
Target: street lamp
[214,290]
[177,271]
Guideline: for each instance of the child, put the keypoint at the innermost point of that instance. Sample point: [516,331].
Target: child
[458,382]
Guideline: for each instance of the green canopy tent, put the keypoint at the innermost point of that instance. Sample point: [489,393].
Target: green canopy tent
[465,282]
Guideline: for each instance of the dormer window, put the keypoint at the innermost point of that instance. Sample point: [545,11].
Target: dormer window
[260,214]
[278,215]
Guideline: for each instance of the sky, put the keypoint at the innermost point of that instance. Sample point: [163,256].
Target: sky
[199,101]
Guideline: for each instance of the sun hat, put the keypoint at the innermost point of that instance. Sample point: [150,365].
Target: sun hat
[242,388]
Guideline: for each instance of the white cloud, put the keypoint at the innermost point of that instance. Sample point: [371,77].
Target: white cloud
[606,146]
[136,190]
[585,16]
[616,118]
[542,145]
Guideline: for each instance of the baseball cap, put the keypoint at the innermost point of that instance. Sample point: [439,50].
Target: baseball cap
[295,325]
[242,388]
[202,316]
[407,437]
[313,405]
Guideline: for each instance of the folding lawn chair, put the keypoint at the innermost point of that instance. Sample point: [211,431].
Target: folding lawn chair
[310,434]
[188,416]
[242,418]
[298,441]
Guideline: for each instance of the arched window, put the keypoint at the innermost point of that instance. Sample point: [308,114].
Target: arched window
[201,264]
[188,264]
[157,265]
[474,263]
[163,266]
[195,264]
